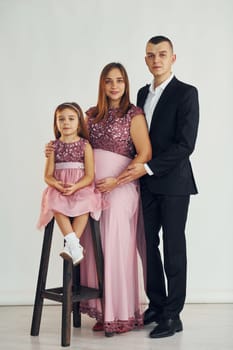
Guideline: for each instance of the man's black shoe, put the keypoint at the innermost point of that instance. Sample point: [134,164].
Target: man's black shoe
[150,316]
[166,328]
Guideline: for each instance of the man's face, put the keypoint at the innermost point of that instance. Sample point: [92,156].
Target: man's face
[159,59]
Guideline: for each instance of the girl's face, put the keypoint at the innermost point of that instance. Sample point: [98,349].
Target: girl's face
[114,87]
[67,122]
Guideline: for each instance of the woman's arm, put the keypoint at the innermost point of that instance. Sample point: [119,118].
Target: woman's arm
[141,141]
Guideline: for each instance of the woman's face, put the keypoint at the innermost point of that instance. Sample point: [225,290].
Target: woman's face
[114,87]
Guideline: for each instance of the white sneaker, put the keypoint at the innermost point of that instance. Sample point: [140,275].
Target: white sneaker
[65,253]
[72,251]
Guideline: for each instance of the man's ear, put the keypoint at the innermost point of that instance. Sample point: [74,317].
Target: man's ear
[173,58]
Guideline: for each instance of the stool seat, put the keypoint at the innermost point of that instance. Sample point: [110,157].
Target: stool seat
[71,292]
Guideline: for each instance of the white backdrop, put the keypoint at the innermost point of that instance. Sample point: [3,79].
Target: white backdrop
[53,51]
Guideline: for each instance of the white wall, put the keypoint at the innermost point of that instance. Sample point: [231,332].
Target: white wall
[53,51]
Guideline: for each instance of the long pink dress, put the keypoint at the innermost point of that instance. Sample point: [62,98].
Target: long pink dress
[69,168]
[113,151]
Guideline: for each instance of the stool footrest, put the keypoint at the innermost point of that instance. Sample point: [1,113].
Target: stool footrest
[79,294]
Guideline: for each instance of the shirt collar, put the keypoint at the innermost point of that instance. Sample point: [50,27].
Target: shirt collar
[161,86]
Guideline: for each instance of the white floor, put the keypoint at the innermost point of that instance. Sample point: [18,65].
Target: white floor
[206,327]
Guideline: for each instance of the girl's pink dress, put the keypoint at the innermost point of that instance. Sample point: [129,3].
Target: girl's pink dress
[122,232]
[69,168]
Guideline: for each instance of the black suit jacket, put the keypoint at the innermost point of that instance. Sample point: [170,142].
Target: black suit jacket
[173,133]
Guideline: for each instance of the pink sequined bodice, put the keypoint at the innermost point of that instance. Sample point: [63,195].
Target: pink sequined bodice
[69,152]
[113,133]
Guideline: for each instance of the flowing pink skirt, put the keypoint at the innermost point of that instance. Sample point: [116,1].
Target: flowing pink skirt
[121,232]
[81,202]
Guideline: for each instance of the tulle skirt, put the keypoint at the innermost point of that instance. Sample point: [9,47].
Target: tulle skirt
[81,202]
[122,238]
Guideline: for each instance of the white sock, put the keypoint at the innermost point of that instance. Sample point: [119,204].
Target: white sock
[71,237]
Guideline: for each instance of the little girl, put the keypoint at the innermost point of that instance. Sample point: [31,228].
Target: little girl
[69,173]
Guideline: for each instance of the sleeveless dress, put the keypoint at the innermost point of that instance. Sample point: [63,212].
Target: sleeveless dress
[69,168]
[120,229]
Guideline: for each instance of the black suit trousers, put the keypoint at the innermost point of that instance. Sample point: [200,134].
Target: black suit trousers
[166,277]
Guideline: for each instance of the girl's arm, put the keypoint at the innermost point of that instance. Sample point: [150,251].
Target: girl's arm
[88,177]
[49,171]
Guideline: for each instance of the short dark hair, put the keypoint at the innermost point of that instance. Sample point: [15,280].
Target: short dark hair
[159,39]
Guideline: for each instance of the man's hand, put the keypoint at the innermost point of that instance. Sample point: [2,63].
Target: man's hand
[133,172]
[107,184]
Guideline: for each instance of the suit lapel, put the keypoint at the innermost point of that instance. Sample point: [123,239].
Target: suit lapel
[143,96]
[163,98]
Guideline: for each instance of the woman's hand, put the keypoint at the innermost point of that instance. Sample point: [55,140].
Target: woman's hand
[49,148]
[107,184]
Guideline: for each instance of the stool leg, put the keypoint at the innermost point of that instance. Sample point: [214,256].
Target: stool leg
[76,305]
[67,302]
[41,282]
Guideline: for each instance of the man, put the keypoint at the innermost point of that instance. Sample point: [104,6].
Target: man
[172,112]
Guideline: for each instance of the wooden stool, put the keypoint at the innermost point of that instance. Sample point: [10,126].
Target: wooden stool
[71,293]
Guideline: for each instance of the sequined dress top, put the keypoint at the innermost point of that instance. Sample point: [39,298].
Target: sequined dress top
[69,152]
[113,132]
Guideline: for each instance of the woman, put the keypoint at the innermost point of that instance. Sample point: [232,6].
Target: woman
[119,136]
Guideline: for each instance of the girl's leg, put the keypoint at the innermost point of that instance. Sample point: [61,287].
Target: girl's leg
[63,223]
[79,224]
[72,249]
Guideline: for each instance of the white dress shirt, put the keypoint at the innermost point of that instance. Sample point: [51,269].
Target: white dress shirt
[150,104]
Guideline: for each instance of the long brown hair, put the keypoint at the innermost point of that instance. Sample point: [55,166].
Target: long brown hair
[100,111]
[82,129]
